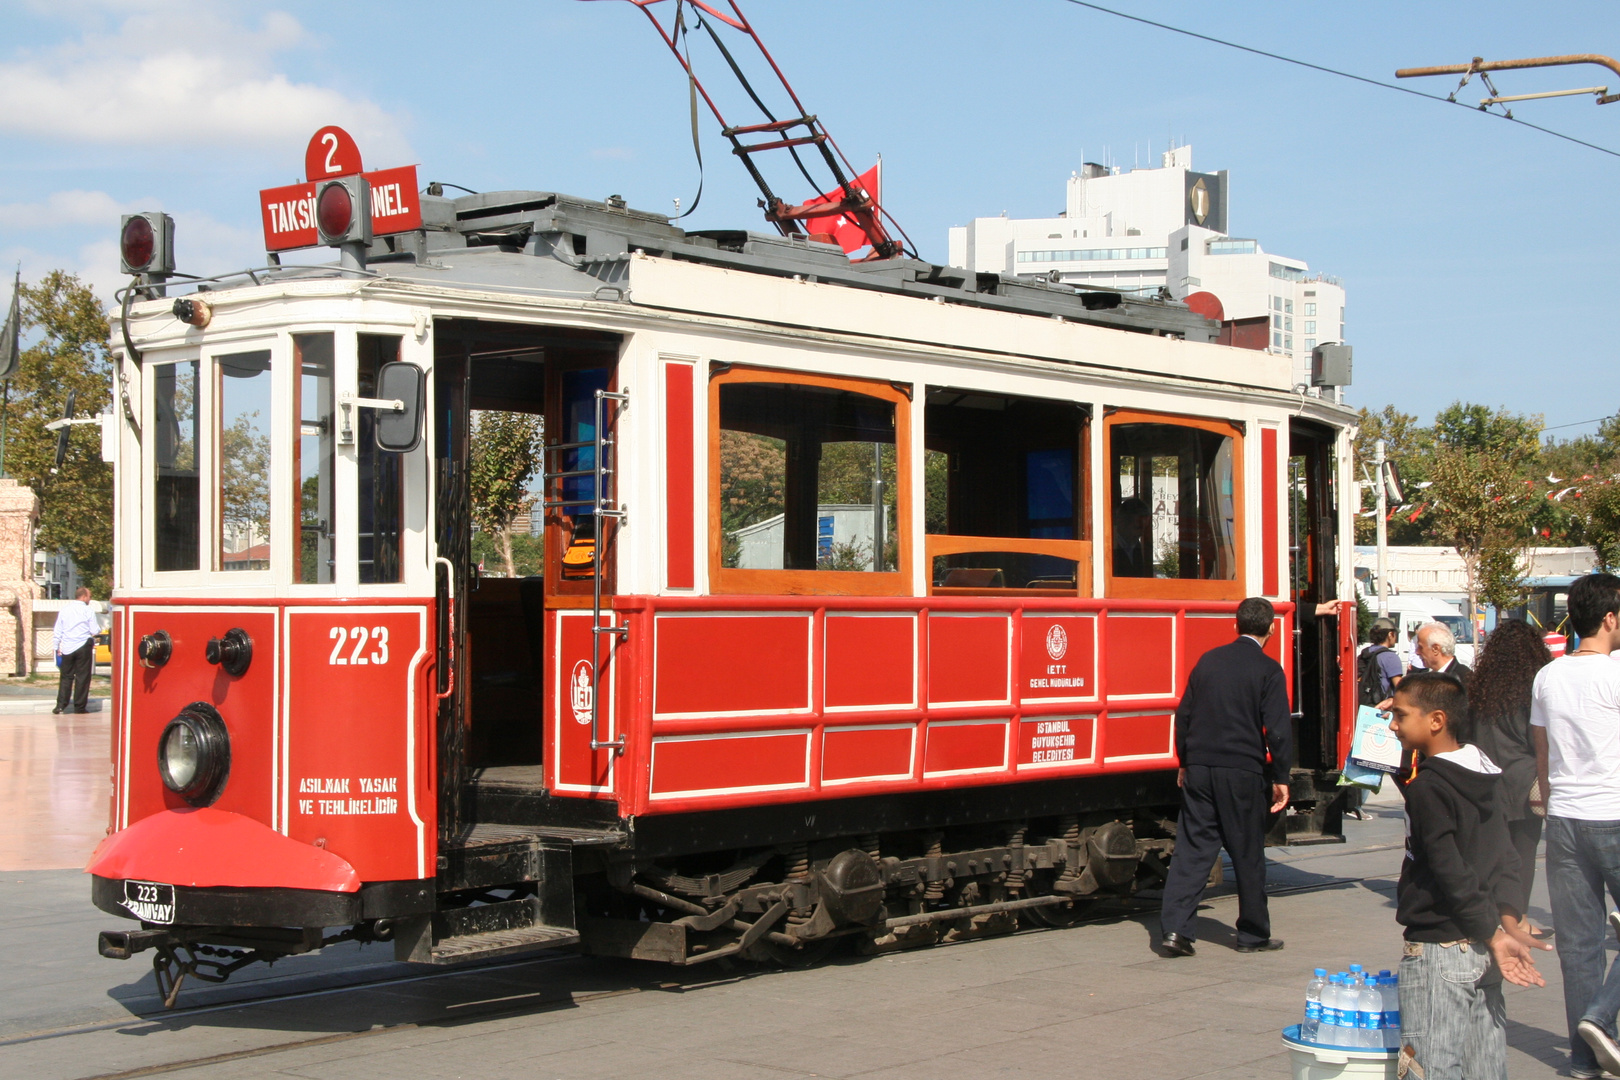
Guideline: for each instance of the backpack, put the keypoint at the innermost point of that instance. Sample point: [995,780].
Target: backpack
[1370,685]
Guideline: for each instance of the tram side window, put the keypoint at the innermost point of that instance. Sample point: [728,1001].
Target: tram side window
[1002,466]
[807,479]
[1174,502]
[243,392]
[379,482]
[176,490]
[313,463]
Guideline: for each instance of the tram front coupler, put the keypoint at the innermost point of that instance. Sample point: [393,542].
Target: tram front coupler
[211,954]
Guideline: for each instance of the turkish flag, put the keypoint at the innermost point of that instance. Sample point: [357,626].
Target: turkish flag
[844,230]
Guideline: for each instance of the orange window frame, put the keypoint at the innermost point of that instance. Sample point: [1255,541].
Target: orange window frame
[735,581]
[1233,588]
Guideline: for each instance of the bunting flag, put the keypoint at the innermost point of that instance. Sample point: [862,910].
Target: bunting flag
[10,333]
[1417,513]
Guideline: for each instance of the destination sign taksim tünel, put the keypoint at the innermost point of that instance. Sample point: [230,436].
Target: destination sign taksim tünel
[289,212]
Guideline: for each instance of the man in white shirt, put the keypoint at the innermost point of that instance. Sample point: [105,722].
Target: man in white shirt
[75,644]
[1575,721]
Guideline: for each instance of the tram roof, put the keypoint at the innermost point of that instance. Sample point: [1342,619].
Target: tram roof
[545,246]
[554,243]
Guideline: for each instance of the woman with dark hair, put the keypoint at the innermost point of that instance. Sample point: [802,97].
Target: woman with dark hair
[1499,704]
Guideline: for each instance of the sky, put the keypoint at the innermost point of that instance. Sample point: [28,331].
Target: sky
[1474,252]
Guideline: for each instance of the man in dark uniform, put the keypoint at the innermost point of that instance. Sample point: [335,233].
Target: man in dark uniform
[1233,712]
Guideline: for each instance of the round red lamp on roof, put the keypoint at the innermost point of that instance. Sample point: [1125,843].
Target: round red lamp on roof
[138,243]
[335,210]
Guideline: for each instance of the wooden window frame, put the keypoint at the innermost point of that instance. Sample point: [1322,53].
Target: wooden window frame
[735,581]
[1233,588]
[956,544]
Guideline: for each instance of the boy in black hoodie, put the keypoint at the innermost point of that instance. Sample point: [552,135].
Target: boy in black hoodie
[1457,894]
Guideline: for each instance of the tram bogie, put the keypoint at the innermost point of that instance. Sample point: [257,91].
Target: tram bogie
[866,596]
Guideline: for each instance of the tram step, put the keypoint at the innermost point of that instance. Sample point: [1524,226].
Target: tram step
[492,943]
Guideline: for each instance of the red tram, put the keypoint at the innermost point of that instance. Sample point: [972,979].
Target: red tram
[868,592]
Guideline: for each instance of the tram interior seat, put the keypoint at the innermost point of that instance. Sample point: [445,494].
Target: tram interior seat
[975,577]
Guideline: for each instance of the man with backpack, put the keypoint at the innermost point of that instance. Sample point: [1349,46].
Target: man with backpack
[1380,665]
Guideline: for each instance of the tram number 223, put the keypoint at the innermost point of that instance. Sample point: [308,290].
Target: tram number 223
[355,641]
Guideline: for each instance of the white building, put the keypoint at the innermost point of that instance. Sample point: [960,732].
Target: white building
[1166,229]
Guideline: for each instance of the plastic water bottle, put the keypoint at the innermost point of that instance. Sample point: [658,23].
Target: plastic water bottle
[1332,1030]
[1310,1029]
[1392,1010]
[1370,1014]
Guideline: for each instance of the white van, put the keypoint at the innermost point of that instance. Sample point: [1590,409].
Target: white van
[1410,612]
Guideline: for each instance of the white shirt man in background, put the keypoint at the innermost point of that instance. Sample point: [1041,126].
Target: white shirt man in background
[1575,722]
[74,642]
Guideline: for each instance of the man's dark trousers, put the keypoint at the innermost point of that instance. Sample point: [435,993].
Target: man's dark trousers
[1220,807]
[75,681]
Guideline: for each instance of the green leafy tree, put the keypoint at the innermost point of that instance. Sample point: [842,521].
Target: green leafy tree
[1410,446]
[70,354]
[1482,508]
[505,452]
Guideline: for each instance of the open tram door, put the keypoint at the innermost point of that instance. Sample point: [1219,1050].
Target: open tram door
[493,644]
[1313,577]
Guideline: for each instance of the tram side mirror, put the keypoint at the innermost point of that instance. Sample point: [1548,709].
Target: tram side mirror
[400,431]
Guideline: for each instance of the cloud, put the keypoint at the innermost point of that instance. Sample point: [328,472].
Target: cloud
[143,84]
[66,208]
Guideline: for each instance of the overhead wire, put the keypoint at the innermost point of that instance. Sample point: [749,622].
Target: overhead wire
[1340,74]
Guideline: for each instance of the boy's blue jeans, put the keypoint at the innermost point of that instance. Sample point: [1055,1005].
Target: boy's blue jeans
[1583,862]
[1453,1019]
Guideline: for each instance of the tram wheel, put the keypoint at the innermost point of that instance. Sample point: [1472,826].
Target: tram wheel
[1056,916]
[803,956]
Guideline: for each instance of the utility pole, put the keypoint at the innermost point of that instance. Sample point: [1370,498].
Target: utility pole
[1480,66]
[1383,530]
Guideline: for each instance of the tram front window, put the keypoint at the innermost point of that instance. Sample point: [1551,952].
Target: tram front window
[312,463]
[176,506]
[1174,502]
[379,472]
[243,390]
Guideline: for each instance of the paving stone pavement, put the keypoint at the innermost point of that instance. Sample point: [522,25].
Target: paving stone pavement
[1089,1001]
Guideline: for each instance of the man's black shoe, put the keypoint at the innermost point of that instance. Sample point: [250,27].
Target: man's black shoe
[1269,945]
[1176,945]
[56,710]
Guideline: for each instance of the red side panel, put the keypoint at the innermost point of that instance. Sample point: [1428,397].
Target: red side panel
[965,746]
[967,659]
[871,661]
[743,663]
[575,768]
[1140,737]
[355,748]
[1141,655]
[678,457]
[1201,633]
[1058,661]
[1268,511]
[881,752]
[1056,740]
[248,704]
[696,765]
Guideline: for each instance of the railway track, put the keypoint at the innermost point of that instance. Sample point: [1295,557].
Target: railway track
[503,1006]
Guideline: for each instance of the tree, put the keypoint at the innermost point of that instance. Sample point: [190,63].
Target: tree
[71,354]
[1482,508]
[505,453]
[1410,446]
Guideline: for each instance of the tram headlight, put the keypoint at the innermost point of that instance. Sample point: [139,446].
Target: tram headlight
[194,754]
